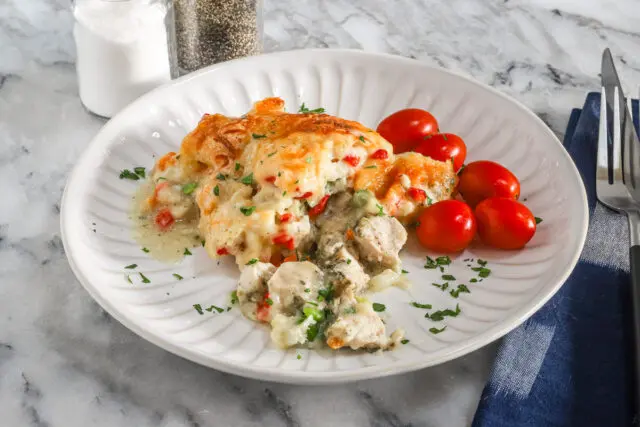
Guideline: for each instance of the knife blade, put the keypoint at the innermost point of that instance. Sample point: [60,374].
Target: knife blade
[630,142]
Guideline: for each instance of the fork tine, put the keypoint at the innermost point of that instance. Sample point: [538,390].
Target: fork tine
[621,162]
[603,168]
[631,162]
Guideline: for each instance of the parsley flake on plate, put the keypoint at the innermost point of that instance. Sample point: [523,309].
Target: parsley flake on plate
[127,174]
[377,307]
[144,278]
[131,266]
[177,276]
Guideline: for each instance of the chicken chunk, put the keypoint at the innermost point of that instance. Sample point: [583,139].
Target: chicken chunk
[379,240]
[348,278]
[362,329]
[252,287]
[293,285]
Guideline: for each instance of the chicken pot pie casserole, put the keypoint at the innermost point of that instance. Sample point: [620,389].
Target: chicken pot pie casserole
[312,207]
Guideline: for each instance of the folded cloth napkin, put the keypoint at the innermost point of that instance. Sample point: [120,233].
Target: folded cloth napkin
[570,364]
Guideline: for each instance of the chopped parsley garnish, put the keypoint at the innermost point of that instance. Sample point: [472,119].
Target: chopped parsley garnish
[247,211]
[437,316]
[271,155]
[404,341]
[436,331]
[326,294]
[482,271]
[361,138]
[188,188]
[258,136]
[284,193]
[349,261]
[299,356]
[538,220]
[309,160]
[443,260]
[473,280]
[128,279]
[203,242]
[216,308]
[234,297]
[237,166]
[307,290]
[429,201]
[462,289]
[145,250]
[127,174]
[377,307]
[161,178]
[140,171]
[405,272]
[198,308]
[303,109]
[248,180]
[144,278]
[371,167]
[187,251]
[216,190]
[350,310]
[425,306]
[430,263]
[448,277]
[482,262]
[269,301]
[131,266]
[380,210]
[177,276]
[252,261]
[220,177]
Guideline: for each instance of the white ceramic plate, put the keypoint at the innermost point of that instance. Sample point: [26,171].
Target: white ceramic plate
[353,85]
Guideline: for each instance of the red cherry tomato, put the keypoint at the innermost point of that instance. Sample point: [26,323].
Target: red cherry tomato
[405,128]
[483,179]
[443,146]
[222,251]
[164,220]
[504,223]
[447,226]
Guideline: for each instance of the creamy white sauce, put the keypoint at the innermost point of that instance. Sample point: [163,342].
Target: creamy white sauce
[166,246]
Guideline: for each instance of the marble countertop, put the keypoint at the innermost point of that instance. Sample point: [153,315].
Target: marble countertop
[65,362]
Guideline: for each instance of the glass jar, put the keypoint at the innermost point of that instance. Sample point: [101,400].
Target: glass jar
[212,31]
[122,51]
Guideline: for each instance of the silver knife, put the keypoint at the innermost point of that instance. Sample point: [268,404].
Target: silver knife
[630,142]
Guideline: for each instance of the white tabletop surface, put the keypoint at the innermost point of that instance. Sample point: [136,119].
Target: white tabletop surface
[65,363]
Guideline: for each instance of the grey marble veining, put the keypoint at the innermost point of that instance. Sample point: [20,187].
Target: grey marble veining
[64,362]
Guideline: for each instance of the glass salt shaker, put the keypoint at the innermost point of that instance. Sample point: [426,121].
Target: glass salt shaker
[212,31]
[122,51]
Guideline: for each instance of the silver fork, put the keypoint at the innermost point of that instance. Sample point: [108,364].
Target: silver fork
[616,175]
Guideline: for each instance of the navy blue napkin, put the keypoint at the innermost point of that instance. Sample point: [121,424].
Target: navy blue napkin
[569,364]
